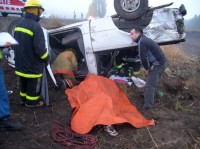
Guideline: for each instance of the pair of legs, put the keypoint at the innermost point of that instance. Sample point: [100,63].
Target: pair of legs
[151,83]
[30,89]
[4,101]
[5,123]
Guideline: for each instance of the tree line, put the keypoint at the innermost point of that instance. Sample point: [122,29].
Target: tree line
[97,9]
[193,23]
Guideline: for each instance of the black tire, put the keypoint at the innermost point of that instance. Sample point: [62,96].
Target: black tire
[131,13]
[12,25]
[4,14]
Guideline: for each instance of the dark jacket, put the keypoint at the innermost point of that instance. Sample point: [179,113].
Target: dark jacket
[30,54]
[150,52]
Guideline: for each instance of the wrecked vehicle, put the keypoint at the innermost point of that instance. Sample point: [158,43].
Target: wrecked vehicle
[104,45]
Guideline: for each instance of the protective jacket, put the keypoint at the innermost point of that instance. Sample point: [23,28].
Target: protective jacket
[65,63]
[30,54]
[1,54]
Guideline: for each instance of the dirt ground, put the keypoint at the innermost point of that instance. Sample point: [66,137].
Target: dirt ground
[176,116]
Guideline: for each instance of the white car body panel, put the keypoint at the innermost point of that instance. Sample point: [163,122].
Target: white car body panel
[105,35]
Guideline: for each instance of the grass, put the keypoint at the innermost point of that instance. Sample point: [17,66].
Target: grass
[180,106]
[54,22]
[182,71]
[137,136]
[195,145]
[174,55]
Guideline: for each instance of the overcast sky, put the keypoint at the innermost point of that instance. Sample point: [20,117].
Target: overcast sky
[66,8]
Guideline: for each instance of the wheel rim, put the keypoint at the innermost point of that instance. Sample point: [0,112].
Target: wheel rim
[130,5]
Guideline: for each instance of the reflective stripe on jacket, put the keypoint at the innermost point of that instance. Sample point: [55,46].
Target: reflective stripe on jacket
[1,55]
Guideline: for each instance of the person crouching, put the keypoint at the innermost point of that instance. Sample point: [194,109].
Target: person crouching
[64,68]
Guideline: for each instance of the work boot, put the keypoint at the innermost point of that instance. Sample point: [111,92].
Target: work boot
[22,101]
[6,124]
[38,105]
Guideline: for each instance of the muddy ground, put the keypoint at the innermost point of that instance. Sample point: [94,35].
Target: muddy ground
[176,127]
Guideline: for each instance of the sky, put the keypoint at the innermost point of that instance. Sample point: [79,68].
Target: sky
[66,8]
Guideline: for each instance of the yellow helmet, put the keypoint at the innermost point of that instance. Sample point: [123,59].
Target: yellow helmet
[33,4]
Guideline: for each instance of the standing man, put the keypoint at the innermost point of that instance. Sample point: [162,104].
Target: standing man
[5,123]
[31,54]
[153,60]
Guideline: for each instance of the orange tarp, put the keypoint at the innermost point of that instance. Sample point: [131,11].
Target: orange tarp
[98,101]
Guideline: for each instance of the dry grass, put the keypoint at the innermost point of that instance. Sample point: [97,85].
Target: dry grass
[137,136]
[183,69]
[190,83]
[175,55]
[53,22]
[196,144]
[193,84]
[181,106]
[173,84]
[56,22]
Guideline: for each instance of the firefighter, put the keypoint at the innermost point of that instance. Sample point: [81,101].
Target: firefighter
[64,67]
[31,56]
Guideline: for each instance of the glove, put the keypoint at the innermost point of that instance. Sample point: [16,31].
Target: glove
[6,51]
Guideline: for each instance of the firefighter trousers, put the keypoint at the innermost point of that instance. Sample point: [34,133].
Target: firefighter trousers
[30,89]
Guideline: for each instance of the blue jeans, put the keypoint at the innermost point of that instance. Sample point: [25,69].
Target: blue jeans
[151,83]
[4,101]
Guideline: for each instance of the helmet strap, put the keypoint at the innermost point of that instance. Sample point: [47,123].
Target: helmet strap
[38,12]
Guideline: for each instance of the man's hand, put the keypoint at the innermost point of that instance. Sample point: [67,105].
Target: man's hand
[6,51]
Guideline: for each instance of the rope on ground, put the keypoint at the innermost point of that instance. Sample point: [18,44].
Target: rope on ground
[152,138]
[71,140]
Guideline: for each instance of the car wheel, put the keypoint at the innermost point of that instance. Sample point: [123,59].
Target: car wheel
[130,9]
[4,14]
[12,25]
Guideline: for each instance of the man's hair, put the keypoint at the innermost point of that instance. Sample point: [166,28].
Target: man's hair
[138,29]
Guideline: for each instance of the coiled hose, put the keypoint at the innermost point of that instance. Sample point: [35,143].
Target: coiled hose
[71,140]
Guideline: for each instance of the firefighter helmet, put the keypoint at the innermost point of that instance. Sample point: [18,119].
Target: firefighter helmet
[33,4]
